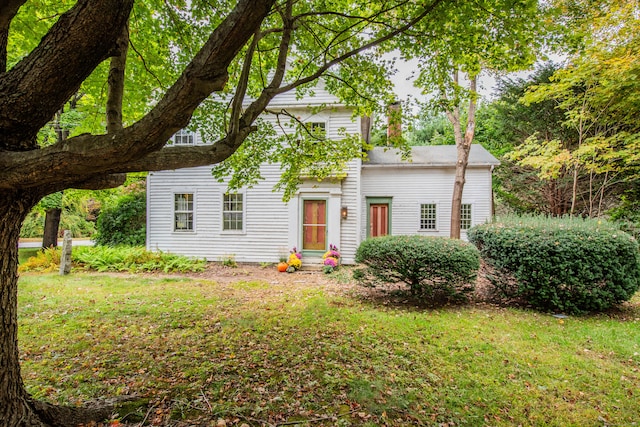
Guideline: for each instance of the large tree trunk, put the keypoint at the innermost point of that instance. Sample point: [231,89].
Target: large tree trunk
[17,408]
[51,227]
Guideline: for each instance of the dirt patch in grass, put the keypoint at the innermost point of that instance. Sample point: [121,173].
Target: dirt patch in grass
[335,283]
[341,283]
[252,273]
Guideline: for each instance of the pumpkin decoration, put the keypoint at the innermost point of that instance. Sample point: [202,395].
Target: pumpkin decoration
[282,267]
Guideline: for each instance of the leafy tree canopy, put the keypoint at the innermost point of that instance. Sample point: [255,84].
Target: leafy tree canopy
[596,94]
[153,68]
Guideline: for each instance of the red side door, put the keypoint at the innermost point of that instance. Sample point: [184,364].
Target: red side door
[378,219]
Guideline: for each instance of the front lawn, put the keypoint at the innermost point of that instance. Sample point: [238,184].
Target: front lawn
[260,353]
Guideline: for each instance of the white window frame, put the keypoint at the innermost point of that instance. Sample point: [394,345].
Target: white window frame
[242,213]
[463,219]
[435,217]
[181,135]
[311,125]
[187,211]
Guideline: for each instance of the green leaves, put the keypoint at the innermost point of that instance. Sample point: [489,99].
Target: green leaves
[124,222]
[596,97]
[549,158]
[434,268]
[471,36]
[299,153]
[565,265]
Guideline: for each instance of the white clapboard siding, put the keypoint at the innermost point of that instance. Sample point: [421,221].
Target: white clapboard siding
[265,217]
[409,187]
[349,238]
[271,227]
[315,97]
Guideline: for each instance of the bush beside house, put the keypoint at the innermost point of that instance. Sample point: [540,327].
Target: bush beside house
[124,222]
[567,265]
[434,268]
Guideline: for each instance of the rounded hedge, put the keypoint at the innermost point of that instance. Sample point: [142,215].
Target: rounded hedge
[434,268]
[124,223]
[560,265]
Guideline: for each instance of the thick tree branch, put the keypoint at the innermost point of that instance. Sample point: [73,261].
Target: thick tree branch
[243,84]
[8,9]
[139,147]
[80,39]
[178,157]
[102,182]
[471,112]
[87,156]
[206,74]
[257,107]
[116,82]
[275,87]
[321,70]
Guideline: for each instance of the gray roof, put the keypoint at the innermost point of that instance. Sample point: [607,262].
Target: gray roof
[430,155]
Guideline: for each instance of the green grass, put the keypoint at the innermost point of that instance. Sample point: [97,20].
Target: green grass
[26,253]
[261,353]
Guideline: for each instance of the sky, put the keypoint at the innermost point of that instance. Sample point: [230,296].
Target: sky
[404,86]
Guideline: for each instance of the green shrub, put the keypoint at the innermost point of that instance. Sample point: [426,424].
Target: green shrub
[46,261]
[75,221]
[132,259]
[119,258]
[33,225]
[123,223]
[560,265]
[434,268]
[77,224]
[627,214]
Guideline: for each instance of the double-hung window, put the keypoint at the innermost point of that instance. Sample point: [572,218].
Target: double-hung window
[233,212]
[428,216]
[183,212]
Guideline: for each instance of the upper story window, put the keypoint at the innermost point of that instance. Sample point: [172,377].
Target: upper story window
[428,216]
[465,216]
[233,212]
[317,129]
[183,137]
[183,212]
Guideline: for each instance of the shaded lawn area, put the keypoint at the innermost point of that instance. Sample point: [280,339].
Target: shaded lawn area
[256,353]
[25,253]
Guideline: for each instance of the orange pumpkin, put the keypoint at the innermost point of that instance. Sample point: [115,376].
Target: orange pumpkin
[282,267]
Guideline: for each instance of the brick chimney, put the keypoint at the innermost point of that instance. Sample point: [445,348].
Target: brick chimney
[394,122]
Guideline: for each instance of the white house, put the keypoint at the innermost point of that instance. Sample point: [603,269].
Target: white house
[190,213]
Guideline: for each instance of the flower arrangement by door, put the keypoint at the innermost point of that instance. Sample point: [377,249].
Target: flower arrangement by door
[293,263]
[331,259]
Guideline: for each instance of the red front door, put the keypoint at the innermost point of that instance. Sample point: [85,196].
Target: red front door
[314,225]
[378,219]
